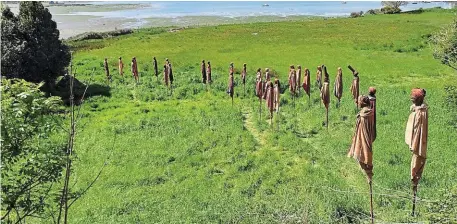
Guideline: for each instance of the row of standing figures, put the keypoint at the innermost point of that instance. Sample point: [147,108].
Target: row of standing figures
[269,90]
[167,71]
[361,149]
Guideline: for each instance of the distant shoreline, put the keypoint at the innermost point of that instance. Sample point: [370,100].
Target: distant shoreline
[75,18]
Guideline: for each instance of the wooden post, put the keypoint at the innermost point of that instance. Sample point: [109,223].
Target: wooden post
[260,108]
[371,202]
[326,108]
[414,200]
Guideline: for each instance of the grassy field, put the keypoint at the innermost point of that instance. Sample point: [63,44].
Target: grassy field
[192,157]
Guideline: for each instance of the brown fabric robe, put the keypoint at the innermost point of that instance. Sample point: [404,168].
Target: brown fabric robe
[259,85]
[230,87]
[319,78]
[373,107]
[277,93]
[269,95]
[362,141]
[203,69]
[208,74]
[355,89]
[325,94]
[166,76]
[306,82]
[105,64]
[292,81]
[267,76]
[338,87]
[134,68]
[416,138]
[298,78]
[156,71]
[121,67]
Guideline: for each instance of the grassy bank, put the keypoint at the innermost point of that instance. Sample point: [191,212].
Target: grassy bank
[191,157]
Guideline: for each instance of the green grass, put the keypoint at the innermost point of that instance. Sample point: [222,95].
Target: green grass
[193,158]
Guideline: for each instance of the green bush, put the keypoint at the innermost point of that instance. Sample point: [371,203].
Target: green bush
[390,10]
[31,160]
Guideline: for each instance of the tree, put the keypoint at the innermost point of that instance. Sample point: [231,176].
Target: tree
[31,48]
[32,161]
[395,4]
[445,45]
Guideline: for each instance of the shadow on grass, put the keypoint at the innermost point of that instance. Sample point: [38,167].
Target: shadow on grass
[62,89]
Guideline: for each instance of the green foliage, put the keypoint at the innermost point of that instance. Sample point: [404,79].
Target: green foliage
[356,14]
[31,48]
[394,4]
[390,10]
[445,45]
[32,161]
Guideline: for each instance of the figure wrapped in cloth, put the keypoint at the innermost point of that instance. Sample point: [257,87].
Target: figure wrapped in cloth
[267,78]
[338,87]
[105,65]
[354,85]
[307,82]
[208,73]
[267,75]
[298,78]
[203,70]
[259,84]
[362,141]
[170,73]
[319,77]
[325,90]
[243,74]
[121,67]
[230,87]
[156,70]
[416,134]
[292,80]
[269,97]
[372,97]
[135,69]
[277,94]
[166,78]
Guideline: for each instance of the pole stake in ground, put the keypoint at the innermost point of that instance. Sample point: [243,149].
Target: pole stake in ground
[371,202]
[413,213]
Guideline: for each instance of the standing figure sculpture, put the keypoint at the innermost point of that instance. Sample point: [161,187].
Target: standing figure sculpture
[372,97]
[338,87]
[355,84]
[325,92]
[230,87]
[166,77]
[362,143]
[307,84]
[292,80]
[135,70]
[105,65]
[203,70]
[156,70]
[298,78]
[416,137]
[243,78]
[277,94]
[269,98]
[319,77]
[121,67]
[259,89]
[208,73]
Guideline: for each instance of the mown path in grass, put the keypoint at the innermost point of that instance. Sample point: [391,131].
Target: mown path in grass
[248,123]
